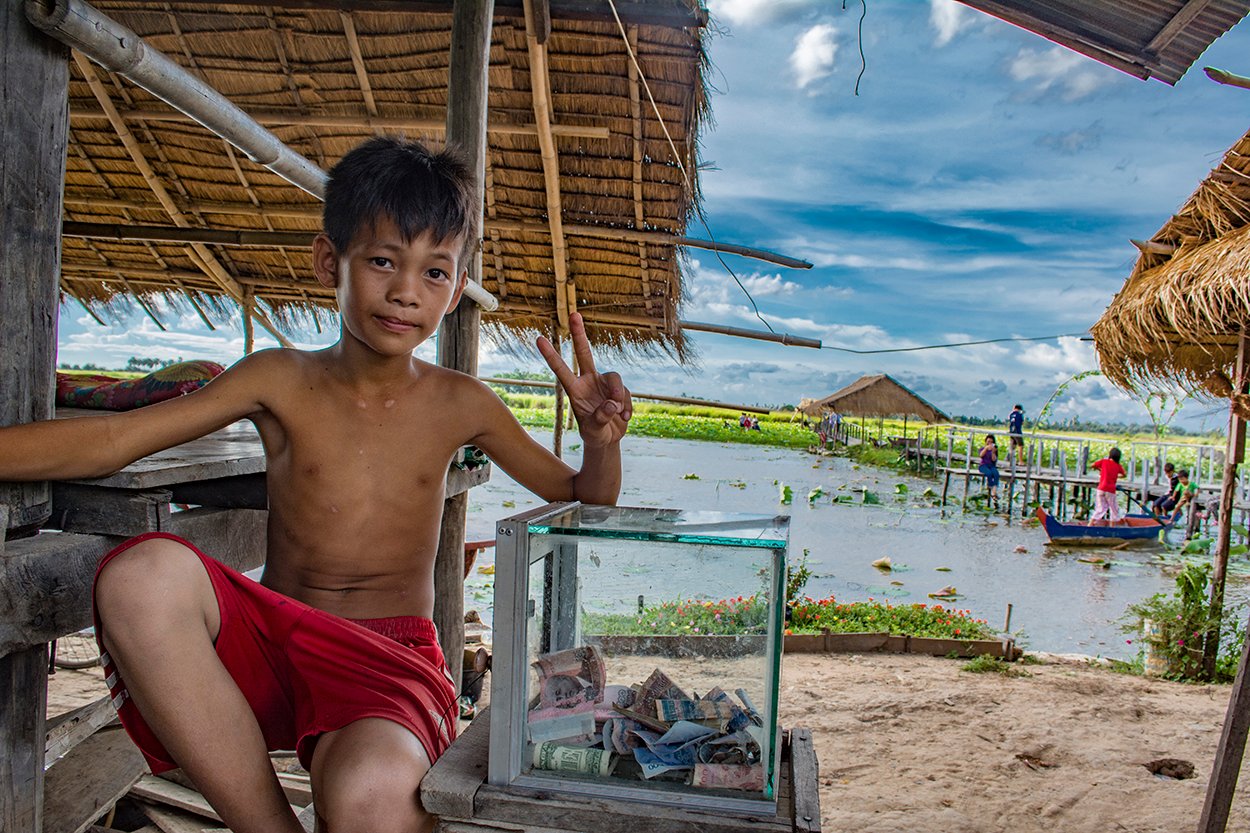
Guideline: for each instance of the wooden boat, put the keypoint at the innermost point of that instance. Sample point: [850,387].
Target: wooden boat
[1130,528]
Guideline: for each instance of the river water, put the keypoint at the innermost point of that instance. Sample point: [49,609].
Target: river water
[1058,602]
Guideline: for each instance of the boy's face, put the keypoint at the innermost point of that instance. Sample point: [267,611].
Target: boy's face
[392,294]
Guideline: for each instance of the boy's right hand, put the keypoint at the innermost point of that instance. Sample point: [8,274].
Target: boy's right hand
[600,401]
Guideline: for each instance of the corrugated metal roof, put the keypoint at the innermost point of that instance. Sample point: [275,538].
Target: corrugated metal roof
[1158,39]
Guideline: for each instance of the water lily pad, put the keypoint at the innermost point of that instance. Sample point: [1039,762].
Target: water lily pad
[488,570]
[787,494]
[814,494]
[942,569]
[509,504]
[901,489]
[883,564]
[947,592]
[691,476]
[871,498]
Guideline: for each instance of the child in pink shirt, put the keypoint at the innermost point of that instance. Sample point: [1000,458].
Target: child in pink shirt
[1109,471]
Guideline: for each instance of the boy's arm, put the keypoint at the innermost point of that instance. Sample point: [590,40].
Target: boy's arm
[602,407]
[95,446]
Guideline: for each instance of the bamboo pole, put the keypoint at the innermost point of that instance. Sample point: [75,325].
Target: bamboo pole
[1236,451]
[249,300]
[680,400]
[635,111]
[367,120]
[540,87]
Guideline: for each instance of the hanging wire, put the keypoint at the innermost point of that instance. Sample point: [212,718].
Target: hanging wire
[680,166]
[863,61]
[950,344]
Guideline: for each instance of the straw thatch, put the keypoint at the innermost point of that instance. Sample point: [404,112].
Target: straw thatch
[391,68]
[1179,315]
[874,396]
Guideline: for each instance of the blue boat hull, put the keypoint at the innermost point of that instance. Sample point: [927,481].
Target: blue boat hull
[1137,528]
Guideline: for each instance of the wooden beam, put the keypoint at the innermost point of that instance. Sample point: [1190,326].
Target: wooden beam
[358,63]
[368,120]
[1221,77]
[90,779]
[672,14]
[658,397]
[45,581]
[1175,26]
[231,237]
[538,19]
[467,88]
[540,93]
[1155,247]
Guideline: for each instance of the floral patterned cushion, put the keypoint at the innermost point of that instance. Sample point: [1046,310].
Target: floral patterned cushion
[107,393]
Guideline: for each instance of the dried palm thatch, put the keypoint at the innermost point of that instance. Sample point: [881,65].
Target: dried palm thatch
[874,396]
[1179,315]
[324,79]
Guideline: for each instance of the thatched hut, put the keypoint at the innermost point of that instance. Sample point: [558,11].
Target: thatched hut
[1183,317]
[589,172]
[875,396]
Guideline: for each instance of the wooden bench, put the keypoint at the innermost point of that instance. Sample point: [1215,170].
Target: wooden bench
[45,593]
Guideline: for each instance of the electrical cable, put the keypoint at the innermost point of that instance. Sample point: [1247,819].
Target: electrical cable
[951,344]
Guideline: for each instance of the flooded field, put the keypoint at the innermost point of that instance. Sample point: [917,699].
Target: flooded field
[1059,602]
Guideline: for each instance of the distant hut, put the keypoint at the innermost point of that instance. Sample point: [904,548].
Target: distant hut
[1183,317]
[877,396]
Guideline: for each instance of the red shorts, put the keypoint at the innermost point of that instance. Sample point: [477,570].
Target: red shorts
[306,672]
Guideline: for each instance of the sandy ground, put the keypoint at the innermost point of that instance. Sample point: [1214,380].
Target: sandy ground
[911,743]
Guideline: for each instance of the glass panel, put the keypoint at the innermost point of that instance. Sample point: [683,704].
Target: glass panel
[656,666]
[678,525]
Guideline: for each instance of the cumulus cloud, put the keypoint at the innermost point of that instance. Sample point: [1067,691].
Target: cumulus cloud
[762,286]
[992,387]
[755,12]
[948,18]
[813,54]
[1059,71]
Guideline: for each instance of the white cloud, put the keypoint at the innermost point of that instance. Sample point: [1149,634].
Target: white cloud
[948,18]
[813,54]
[1071,75]
[755,12]
[763,286]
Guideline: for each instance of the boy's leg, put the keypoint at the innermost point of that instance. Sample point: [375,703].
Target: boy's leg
[159,617]
[365,779]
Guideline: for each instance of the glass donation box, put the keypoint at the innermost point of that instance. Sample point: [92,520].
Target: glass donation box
[638,655]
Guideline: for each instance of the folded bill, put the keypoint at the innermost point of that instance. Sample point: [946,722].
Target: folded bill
[571,729]
[555,758]
[728,776]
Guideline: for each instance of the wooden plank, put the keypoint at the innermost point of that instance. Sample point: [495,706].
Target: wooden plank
[804,781]
[173,821]
[84,784]
[153,790]
[67,730]
[32,170]
[45,581]
[450,785]
[96,510]
[24,693]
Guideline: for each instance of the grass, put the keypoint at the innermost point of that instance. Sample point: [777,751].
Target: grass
[986,664]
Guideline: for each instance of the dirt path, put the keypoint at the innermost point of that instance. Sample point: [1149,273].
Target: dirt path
[911,744]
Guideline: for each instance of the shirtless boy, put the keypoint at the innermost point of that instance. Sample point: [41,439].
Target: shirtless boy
[212,669]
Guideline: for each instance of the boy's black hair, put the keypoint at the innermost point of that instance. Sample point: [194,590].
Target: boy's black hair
[1018,408]
[1114,454]
[418,190]
[1183,473]
[1168,467]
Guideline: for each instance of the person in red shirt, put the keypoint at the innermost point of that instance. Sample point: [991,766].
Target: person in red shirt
[1109,471]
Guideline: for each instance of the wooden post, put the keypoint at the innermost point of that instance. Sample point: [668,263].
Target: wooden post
[1228,487]
[1028,478]
[458,337]
[1219,799]
[34,73]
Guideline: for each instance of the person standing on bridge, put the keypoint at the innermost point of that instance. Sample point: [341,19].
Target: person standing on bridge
[1105,504]
[1015,430]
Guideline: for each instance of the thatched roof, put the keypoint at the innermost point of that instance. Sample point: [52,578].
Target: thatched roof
[1158,39]
[1178,316]
[323,80]
[875,396]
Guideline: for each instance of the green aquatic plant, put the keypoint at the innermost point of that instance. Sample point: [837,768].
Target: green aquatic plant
[787,494]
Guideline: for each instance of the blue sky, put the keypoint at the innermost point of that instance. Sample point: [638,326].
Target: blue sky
[984,183]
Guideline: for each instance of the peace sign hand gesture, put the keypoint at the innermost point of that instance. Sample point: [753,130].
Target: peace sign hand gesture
[600,401]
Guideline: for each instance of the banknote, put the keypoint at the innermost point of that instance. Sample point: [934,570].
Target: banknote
[751,710]
[671,711]
[657,687]
[571,677]
[614,695]
[728,776]
[575,729]
[652,765]
[555,758]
